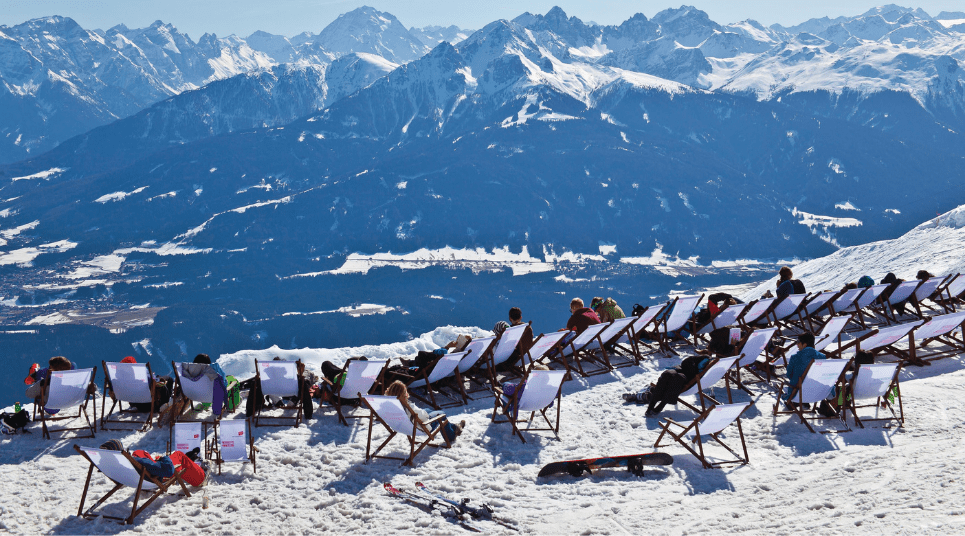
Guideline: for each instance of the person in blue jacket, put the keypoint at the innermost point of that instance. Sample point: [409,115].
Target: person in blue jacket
[800,361]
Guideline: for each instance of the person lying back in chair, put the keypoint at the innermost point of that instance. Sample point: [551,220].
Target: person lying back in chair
[195,469]
[669,385]
[449,430]
[799,362]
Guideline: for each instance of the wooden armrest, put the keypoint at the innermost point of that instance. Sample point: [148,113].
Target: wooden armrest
[434,419]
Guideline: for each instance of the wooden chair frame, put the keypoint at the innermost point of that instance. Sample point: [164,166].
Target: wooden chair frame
[504,407]
[297,407]
[252,449]
[798,409]
[338,402]
[683,440]
[417,426]
[81,411]
[109,391]
[880,402]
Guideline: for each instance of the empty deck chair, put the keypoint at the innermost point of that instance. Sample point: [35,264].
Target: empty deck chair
[545,345]
[756,311]
[879,383]
[537,393]
[785,310]
[711,422]
[817,306]
[186,436]
[446,367]
[583,349]
[235,443]
[863,306]
[62,392]
[754,345]
[845,301]
[940,329]
[630,342]
[278,379]
[818,383]
[681,312]
[123,470]
[130,383]
[883,340]
[715,371]
[616,330]
[358,376]
[393,415]
[198,390]
[950,294]
[725,318]
[478,355]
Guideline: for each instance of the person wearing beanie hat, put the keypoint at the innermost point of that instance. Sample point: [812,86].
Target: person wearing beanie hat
[129,359]
[865,282]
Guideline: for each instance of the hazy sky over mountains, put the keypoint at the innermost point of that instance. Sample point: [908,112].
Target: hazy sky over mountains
[290,17]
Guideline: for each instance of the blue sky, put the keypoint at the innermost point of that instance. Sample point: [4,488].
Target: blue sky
[290,17]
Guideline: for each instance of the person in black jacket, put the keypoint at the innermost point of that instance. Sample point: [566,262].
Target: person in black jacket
[669,385]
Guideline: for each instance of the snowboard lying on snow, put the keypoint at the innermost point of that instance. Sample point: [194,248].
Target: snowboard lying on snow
[634,462]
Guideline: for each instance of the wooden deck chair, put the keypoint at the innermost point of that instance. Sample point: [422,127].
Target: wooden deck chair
[608,343]
[63,391]
[755,312]
[547,347]
[235,443]
[754,345]
[446,367]
[884,341]
[726,317]
[186,436]
[715,371]
[865,316]
[681,312]
[711,422]
[123,470]
[879,383]
[831,332]
[279,379]
[904,291]
[630,342]
[818,383]
[940,329]
[950,295]
[583,349]
[474,368]
[785,310]
[507,343]
[842,304]
[132,383]
[537,392]
[925,291]
[819,305]
[358,377]
[199,390]
[393,414]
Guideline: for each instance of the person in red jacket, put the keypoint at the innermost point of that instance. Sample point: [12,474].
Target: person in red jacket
[582,317]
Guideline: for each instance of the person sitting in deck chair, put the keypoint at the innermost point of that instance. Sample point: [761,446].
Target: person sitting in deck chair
[798,363]
[722,343]
[195,469]
[787,285]
[893,281]
[525,341]
[449,430]
[607,309]
[163,388]
[865,281]
[36,378]
[409,369]
[669,385]
[581,317]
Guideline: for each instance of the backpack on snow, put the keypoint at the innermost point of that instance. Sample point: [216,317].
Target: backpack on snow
[14,421]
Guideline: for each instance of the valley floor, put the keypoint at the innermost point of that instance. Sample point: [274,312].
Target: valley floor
[313,479]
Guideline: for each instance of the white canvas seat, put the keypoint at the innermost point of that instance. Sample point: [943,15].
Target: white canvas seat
[950,293]
[608,339]
[816,307]
[186,436]
[756,311]
[130,383]
[235,443]
[681,312]
[476,351]
[711,422]
[902,292]
[725,318]
[393,415]
[123,470]
[816,384]
[715,371]
[875,382]
[359,377]
[786,308]
[845,301]
[754,345]
[863,304]
[630,341]
[582,349]
[538,390]
[278,380]
[930,288]
[831,332]
[62,392]
[941,329]
[507,344]
[884,339]
[196,387]
[446,367]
